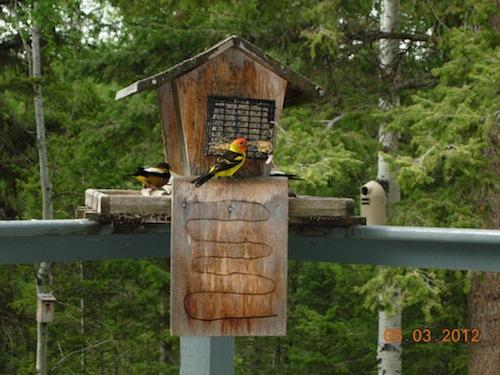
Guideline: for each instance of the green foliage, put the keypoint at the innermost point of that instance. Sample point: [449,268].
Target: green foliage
[332,161]
[445,167]
[331,332]
[449,139]
[440,357]
[393,289]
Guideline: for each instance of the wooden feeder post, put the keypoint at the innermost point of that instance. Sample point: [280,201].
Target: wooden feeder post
[229,237]
[229,258]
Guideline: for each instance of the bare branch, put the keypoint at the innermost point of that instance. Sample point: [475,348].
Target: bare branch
[96,345]
[421,159]
[330,123]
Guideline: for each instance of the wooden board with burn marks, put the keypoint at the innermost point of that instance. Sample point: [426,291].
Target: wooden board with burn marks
[229,257]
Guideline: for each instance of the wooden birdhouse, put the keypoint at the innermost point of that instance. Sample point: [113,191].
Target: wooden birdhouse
[231,90]
[45,307]
[229,241]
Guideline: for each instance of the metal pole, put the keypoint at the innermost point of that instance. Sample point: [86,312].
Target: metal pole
[207,355]
[29,241]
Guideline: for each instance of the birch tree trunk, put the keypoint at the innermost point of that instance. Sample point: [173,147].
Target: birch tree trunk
[389,49]
[44,270]
[389,353]
[40,126]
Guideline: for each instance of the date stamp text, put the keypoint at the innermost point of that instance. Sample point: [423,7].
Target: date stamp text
[427,335]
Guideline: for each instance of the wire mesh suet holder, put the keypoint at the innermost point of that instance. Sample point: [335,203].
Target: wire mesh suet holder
[232,117]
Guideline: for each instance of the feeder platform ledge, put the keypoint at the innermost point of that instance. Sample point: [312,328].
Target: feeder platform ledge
[112,205]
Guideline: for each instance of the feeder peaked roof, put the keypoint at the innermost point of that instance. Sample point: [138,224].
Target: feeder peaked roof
[299,88]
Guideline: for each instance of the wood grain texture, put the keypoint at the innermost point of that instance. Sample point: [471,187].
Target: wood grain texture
[173,144]
[307,206]
[227,210]
[229,257]
[128,202]
[231,73]
[299,89]
[125,202]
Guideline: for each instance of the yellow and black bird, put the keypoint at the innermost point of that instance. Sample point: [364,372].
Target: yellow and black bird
[153,177]
[228,164]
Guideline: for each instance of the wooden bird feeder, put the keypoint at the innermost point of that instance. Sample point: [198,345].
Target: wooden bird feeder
[229,238]
[231,90]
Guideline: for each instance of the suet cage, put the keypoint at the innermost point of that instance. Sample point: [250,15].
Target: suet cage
[230,117]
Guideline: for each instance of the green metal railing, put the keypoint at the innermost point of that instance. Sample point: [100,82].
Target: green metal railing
[70,240]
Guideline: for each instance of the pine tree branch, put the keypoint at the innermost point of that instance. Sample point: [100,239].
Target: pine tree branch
[63,193]
[416,83]
[370,36]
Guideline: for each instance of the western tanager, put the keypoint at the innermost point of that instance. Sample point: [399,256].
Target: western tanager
[153,177]
[228,164]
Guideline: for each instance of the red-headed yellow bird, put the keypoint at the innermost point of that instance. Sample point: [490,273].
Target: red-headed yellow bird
[153,177]
[228,164]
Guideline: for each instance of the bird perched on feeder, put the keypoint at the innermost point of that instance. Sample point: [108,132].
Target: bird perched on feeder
[276,172]
[153,177]
[228,164]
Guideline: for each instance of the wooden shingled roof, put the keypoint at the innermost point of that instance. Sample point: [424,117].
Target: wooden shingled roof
[299,88]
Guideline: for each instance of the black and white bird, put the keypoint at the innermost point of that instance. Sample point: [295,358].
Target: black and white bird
[153,177]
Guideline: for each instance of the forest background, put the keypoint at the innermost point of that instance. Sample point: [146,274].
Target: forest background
[448,79]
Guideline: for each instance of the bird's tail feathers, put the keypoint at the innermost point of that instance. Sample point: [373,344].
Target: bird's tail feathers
[290,176]
[198,181]
[138,171]
[293,177]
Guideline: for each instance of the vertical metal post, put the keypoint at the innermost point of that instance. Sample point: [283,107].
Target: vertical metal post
[207,355]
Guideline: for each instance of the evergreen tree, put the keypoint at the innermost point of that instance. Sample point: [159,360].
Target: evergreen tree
[448,125]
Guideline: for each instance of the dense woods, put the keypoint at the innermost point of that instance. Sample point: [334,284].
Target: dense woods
[112,316]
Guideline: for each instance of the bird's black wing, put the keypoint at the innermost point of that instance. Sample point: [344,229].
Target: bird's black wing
[157,174]
[141,171]
[228,160]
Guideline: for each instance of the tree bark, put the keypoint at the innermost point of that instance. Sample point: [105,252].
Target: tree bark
[389,353]
[40,126]
[484,301]
[484,314]
[389,49]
